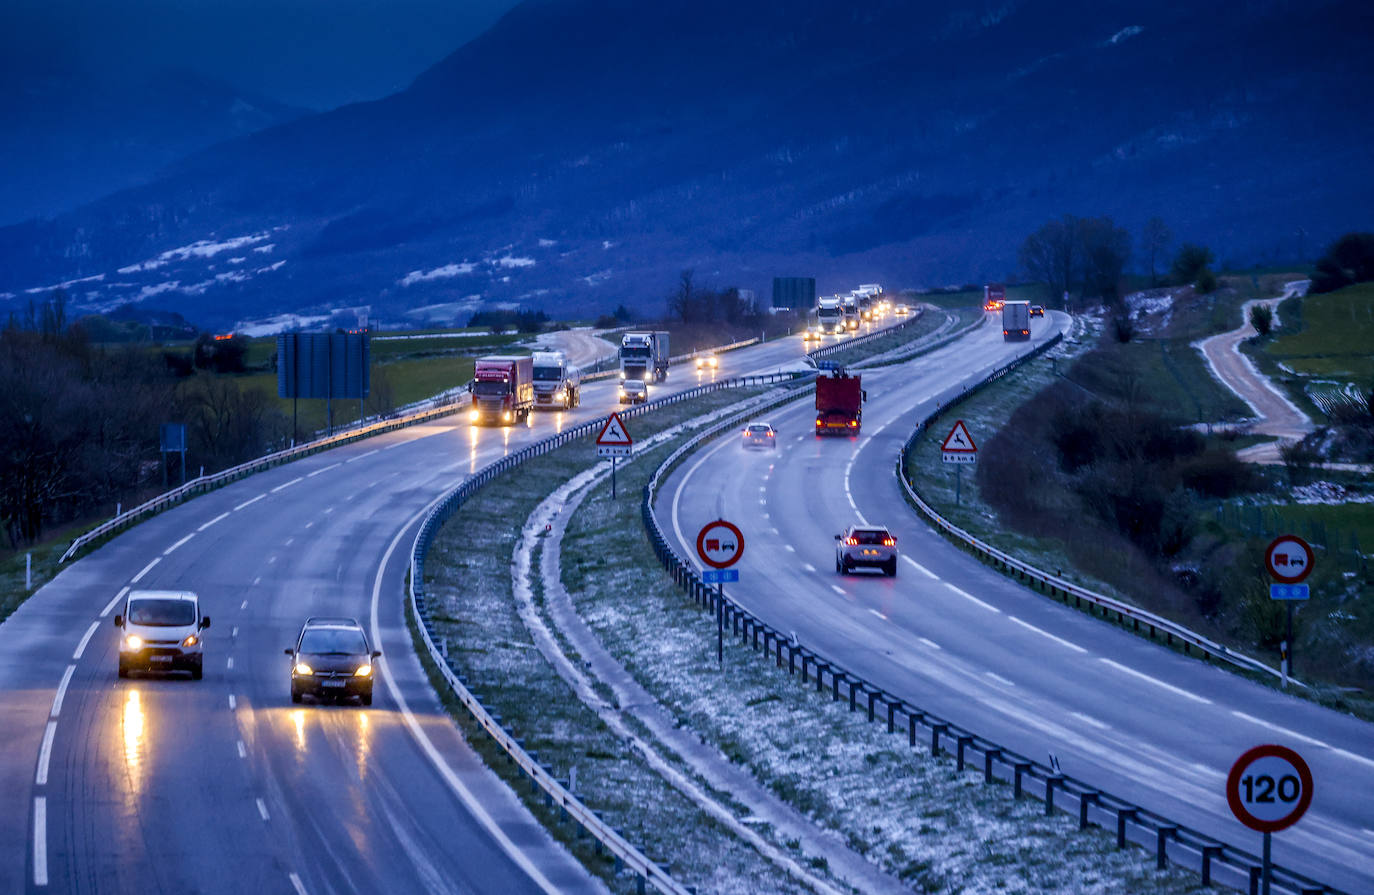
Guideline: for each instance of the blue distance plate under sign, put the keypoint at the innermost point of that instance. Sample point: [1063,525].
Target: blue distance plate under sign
[1288,592]
[719,576]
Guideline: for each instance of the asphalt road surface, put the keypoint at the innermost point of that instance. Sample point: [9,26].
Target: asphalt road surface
[954,637]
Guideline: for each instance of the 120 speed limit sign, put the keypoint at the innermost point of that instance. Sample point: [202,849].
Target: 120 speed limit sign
[1269,788]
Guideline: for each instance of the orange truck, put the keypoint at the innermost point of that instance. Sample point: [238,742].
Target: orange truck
[839,400]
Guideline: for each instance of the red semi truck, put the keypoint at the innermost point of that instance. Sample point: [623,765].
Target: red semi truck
[502,389]
[839,397]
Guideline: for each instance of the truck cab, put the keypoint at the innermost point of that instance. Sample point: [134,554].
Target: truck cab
[502,390]
[557,383]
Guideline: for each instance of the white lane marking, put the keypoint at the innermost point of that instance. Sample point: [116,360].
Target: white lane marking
[243,605]
[229,663]
[920,568]
[81,647]
[1353,757]
[146,569]
[839,590]
[1060,640]
[328,510]
[997,677]
[801,437]
[968,596]
[1158,683]
[262,809]
[360,456]
[296,880]
[257,580]
[218,518]
[790,548]
[455,783]
[762,502]
[808,567]
[390,446]
[311,475]
[310,524]
[233,703]
[61,692]
[879,614]
[40,840]
[45,755]
[235,632]
[111,605]
[243,750]
[169,550]
[928,642]
[271,559]
[285,485]
[250,502]
[1091,721]
[288,542]
[1277,729]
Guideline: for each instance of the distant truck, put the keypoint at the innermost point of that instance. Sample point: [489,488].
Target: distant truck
[1016,321]
[644,355]
[502,389]
[994,296]
[849,306]
[557,383]
[829,315]
[839,400]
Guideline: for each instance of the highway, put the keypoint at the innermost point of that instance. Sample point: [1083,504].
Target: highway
[956,638]
[152,785]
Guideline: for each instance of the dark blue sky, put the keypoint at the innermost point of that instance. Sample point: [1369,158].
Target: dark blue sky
[314,53]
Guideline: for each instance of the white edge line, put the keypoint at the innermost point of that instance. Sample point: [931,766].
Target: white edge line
[1059,640]
[249,502]
[146,569]
[1353,757]
[297,884]
[61,692]
[169,550]
[81,647]
[1277,729]
[920,568]
[455,783]
[213,521]
[968,596]
[45,755]
[1158,683]
[40,840]
[110,605]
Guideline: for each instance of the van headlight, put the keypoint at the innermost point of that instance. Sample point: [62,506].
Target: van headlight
[472,415]
[303,669]
[191,640]
[363,671]
[133,641]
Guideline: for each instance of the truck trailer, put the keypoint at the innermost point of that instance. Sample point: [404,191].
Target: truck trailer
[502,390]
[839,399]
[829,315]
[557,383]
[1016,321]
[644,356]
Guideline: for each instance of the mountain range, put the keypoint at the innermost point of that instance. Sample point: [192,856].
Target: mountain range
[581,153]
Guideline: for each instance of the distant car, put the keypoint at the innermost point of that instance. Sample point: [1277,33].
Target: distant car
[812,334]
[161,631]
[332,660]
[760,435]
[633,391]
[902,310]
[1037,310]
[707,362]
[865,546]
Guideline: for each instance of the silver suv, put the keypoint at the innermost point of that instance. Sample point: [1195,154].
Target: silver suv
[161,631]
[864,545]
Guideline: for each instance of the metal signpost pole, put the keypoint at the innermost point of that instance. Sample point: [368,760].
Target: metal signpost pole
[1266,865]
[613,478]
[958,483]
[720,624]
[1290,638]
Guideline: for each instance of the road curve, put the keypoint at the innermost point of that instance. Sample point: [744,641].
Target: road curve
[222,785]
[954,637]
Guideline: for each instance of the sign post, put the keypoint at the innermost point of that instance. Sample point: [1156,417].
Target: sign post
[1269,789]
[720,544]
[958,448]
[1289,559]
[614,442]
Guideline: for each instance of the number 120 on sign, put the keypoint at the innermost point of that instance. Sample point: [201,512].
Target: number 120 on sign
[1269,788]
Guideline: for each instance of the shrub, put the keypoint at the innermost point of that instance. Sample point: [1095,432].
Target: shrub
[1262,319]
[1350,259]
[1190,263]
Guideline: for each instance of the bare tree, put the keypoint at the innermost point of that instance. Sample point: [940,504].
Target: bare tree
[1104,249]
[1154,239]
[681,303]
[1050,254]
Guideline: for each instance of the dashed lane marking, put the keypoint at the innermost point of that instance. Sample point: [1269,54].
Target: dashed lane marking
[839,590]
[233,703]
[249,502]
[212,521]
[998,678]
[146,569]
[262,810]
[808,567]
[311,475]
[970,597]
[229,663]
[285,485]
[296,880]
[81,647]
[111,605]
[40,840]
[1277,729]
[1158,683]
[360,456]
[1091,721]
[920,568]
[243,750]
[61,692]
[879,614]
[790,548]
[45,755]
[928,642]
[1027,625]
[169,550]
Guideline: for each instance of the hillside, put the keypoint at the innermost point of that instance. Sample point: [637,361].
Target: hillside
[582,152]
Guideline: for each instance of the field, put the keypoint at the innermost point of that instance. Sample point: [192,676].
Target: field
[1336,338]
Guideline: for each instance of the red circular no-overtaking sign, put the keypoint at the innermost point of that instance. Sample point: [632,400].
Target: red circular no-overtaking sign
[1289,559]
[1269,788]
[720,544]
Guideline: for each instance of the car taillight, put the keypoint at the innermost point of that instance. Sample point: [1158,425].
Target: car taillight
[819,421]
[852,424]
[852,542]
[889,542]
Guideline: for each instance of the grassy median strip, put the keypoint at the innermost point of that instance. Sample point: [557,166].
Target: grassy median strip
[936,829]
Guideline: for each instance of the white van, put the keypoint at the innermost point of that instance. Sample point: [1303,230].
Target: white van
[160,630]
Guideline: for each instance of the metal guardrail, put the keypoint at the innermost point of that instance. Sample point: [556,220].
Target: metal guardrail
[539,776]
[677,359]
[201,484]
[1216,861]
[1054,586]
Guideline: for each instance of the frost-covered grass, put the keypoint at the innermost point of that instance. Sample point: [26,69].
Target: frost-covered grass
[935,828]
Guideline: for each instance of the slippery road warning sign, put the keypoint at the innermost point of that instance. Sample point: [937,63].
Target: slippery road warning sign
[720,544]
[614,440]
[958,446]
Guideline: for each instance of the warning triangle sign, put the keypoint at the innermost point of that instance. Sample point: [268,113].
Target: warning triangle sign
[613,433]
[958,441]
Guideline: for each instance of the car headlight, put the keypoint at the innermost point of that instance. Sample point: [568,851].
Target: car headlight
[303,669]
[363,671]
[473,416]
[191,640]
[133,641]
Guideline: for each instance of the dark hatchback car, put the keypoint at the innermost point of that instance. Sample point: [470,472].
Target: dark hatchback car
[332,660]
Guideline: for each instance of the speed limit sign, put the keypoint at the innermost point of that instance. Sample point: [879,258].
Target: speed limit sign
[1269,788]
